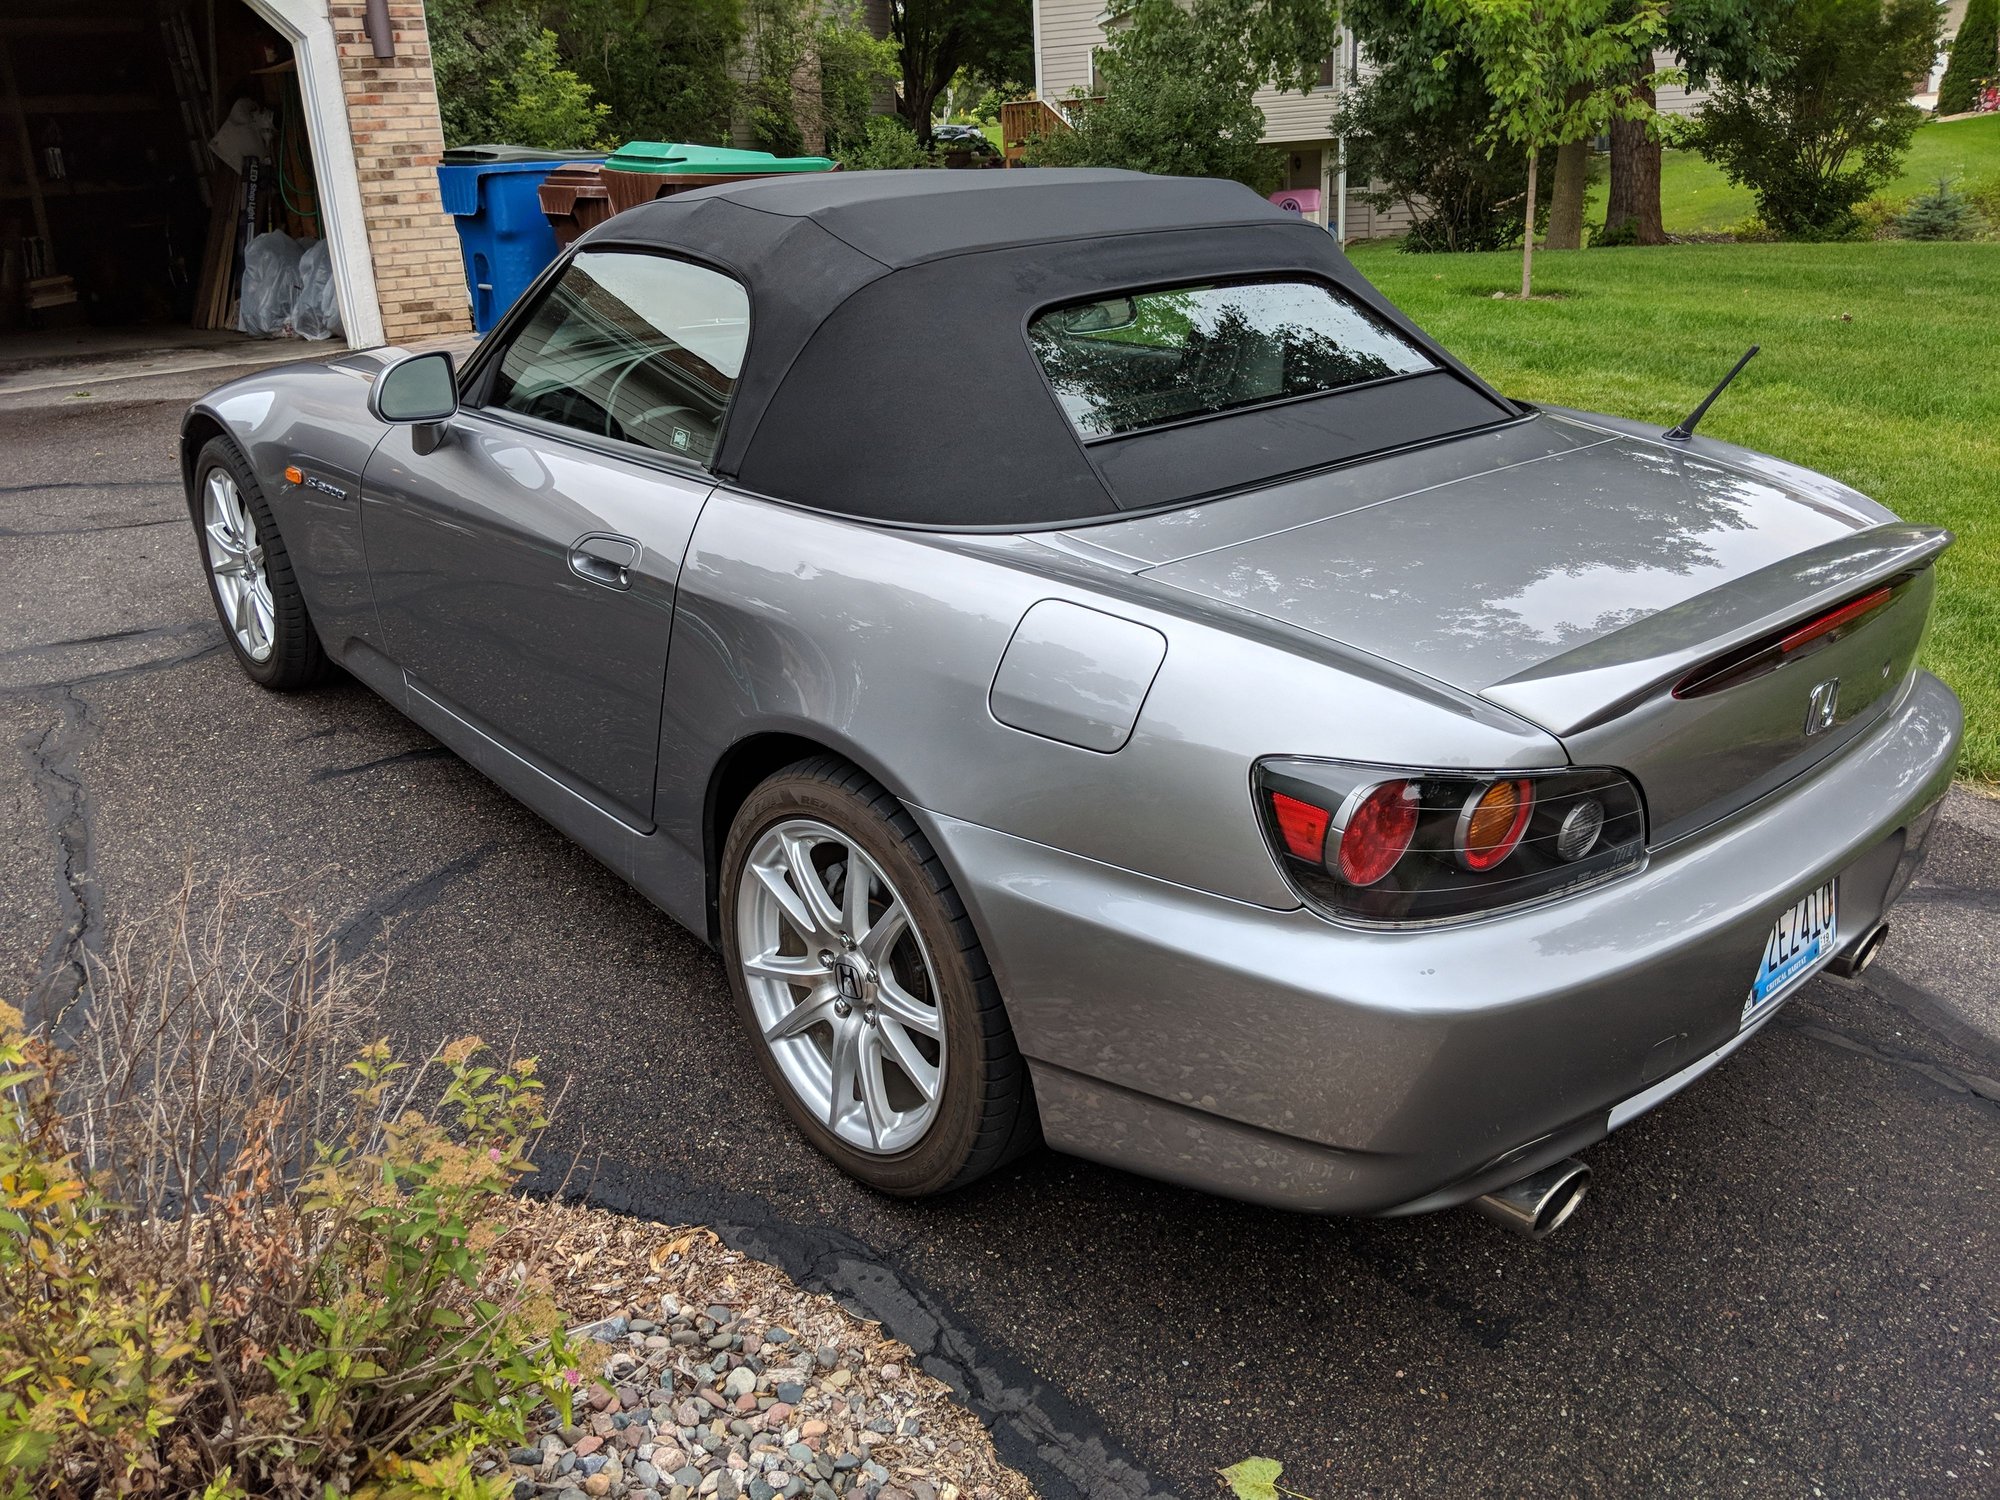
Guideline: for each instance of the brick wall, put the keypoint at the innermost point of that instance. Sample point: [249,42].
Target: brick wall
[392,112]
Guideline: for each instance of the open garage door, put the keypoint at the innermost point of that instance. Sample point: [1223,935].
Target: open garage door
[159,187]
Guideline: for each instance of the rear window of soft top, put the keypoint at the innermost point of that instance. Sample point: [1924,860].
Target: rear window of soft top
[1148,359]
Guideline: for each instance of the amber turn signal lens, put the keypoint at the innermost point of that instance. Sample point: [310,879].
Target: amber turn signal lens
[1490,827]
[294,474]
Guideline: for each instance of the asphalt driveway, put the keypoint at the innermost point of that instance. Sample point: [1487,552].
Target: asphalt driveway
[1783,1283]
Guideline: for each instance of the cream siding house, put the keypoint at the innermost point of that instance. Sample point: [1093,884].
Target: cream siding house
[1068,34]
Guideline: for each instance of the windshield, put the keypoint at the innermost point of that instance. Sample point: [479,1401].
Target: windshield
[1122,364]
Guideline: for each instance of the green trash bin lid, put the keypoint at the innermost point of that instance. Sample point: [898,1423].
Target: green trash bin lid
[473,156]
[676,157]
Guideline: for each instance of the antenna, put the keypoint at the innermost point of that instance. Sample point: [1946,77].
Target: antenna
[1688,423]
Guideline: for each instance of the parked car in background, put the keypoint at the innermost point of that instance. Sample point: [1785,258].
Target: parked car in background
[1243,746]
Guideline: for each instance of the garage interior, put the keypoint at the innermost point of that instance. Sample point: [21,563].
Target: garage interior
[143,145]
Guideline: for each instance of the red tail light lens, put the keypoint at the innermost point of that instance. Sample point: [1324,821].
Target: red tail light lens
[1301,825]
[1379,825]
[1362,843]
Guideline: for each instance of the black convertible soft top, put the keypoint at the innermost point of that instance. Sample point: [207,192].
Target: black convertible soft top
[889,373]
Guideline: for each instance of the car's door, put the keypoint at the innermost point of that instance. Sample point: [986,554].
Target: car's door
[524,567]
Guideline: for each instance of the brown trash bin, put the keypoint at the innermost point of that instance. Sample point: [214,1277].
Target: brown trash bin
[574,198]
[630,189]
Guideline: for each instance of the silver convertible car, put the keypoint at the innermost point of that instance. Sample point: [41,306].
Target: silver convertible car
[1101,675]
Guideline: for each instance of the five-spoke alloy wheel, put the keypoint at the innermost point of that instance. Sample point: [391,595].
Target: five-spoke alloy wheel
[863,984]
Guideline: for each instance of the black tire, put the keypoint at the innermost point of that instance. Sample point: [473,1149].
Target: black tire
[297,659]
[986,1114]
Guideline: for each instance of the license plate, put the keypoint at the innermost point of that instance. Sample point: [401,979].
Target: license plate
[1801,940]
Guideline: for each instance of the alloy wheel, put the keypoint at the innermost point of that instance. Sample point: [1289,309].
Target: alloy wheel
[236,563]
[841,985]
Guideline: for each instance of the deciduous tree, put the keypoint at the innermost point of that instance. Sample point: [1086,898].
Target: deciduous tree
[1415,133]
[936,38]
[1551,68]
[1828,119]
[1179,80]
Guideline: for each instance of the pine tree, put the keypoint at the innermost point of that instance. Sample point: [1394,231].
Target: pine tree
[1940,215]
[1975,57]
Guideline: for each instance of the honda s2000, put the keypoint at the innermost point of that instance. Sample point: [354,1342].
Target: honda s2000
[1101,675]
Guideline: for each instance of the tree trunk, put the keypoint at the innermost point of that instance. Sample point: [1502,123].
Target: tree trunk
[808,107]
[1572,177]
[1528,230]
[1635,177]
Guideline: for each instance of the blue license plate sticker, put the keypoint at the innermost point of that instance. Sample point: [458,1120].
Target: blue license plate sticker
[1801,940]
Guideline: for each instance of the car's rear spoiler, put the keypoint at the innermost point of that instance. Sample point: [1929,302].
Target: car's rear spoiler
[1606,677]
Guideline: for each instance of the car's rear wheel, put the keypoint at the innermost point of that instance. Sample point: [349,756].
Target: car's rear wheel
[250,578]
[864,987]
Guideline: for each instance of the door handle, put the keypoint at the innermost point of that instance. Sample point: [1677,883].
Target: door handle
[604,559]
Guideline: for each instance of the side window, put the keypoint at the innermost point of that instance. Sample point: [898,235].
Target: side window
[640,348]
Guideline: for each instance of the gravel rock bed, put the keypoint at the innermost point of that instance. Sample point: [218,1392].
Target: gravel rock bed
[707,1374]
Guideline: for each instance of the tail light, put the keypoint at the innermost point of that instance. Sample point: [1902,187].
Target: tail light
[1383,845]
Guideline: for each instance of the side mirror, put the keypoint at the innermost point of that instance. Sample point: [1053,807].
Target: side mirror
[422,388]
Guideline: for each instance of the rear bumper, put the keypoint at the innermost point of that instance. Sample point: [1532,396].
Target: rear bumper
[1272,1056]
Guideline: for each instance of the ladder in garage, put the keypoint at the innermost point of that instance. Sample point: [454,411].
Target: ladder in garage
[190,90]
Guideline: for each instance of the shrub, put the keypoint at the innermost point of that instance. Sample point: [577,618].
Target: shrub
[94,1355]
[539,102]
[1985,197]
[1940,215]
[242,1252]
[1753,231]
[887,144]
[1875,217]
[1829,119]
[1975,58]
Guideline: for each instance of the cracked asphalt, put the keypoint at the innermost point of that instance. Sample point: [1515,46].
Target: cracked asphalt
[1783,1283]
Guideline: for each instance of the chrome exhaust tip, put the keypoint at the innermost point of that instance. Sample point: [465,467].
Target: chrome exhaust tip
[1855,961]
[1536,1207]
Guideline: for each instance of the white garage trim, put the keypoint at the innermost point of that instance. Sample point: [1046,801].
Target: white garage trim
[342,218]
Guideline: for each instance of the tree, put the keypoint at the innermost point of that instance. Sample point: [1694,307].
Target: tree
[816,70]
[1549,65]
[1572,181]
[1975,57]
[993,39]
[1414,132]
[1714,39]
[1830,119]
[663,66]
[469,39]
[1178,84]
[1941,215]
[539,102]
[1178,81]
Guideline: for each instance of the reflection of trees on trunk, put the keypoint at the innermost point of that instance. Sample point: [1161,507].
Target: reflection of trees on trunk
[1469,564]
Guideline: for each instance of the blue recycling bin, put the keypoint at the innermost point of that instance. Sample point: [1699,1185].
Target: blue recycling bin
[503,235]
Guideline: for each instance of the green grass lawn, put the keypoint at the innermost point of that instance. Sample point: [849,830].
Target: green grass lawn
[1695,197]
[1900,397]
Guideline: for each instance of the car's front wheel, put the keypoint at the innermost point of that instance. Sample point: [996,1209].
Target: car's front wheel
[257,597]
[864,987]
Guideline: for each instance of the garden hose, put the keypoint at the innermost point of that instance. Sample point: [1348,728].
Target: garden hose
[294,159]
